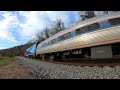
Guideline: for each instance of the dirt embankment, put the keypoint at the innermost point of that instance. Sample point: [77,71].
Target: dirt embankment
[15,70]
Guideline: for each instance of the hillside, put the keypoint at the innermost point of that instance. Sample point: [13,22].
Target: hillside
[15,51]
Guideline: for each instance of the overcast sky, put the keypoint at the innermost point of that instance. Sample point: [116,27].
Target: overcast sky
[18,27]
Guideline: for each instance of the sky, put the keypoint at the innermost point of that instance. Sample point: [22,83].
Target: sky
[18,27]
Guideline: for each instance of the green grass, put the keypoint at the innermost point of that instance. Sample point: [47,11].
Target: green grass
[6,60]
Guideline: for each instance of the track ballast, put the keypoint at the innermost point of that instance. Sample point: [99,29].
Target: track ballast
[100,63]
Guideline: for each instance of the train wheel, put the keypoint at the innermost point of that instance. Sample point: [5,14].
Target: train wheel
[52,58]
[63,57]
[43,57]
[36,56]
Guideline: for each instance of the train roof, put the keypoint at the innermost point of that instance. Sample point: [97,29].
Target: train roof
[83,23]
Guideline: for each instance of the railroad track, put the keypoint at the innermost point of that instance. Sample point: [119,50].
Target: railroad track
[111,63]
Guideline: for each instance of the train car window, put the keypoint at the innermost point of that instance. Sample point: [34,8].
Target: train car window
[49,42]
[93,26]
[104,24]
[81,30]
[43,45]
[65,36]
[53,41]
[87,28]
[46,44]
[73,34]
[114,21]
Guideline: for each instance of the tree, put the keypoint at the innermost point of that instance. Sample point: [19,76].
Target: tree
[40,37]
[46,32]
[86,15]
[89,14]
[58,26]
[105,12]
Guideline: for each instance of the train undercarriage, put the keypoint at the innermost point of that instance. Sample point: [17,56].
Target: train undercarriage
[111,51]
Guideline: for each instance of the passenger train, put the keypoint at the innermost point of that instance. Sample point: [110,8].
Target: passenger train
[97,37]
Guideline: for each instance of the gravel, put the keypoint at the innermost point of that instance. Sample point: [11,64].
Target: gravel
[45,70]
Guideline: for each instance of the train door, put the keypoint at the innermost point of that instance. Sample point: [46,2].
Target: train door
[116,50]
[101,52]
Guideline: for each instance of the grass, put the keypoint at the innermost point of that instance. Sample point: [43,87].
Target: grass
[6,60]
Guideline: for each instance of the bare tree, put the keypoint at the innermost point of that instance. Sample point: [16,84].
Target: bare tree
[89,14]
[58,26]
[40,37]
[46,32]
[105,12]
[86,15]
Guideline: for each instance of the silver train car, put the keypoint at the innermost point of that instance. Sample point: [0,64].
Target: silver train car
[97,37]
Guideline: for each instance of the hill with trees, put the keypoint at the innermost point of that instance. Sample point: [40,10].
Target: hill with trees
[15,51]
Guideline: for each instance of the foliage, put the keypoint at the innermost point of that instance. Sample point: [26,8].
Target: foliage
[47,32]
[87,15]
[15,51]
[58,26]
[5,60]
